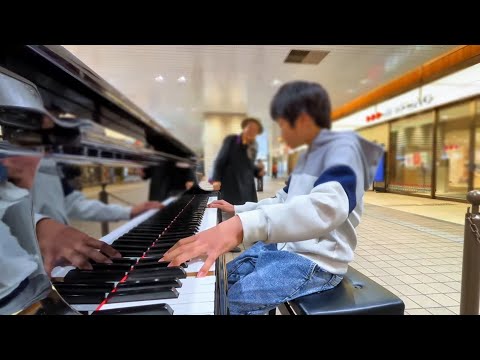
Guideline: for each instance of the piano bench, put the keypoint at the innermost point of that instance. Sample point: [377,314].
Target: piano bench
[355,295]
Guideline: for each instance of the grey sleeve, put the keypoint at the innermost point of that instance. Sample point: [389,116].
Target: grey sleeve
[81,208]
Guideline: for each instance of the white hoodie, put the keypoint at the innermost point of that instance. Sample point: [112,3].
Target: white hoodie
[316,214]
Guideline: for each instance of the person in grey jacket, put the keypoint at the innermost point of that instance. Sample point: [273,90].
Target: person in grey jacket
[59,243]
[305,236]
[55,198]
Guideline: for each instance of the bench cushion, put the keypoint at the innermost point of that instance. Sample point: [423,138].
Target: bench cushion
[355,295]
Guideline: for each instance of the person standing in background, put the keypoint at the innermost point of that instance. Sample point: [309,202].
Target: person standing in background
[259,174]
[274,170]
[234,168]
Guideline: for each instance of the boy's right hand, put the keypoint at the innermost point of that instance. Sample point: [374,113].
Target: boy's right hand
[222,205]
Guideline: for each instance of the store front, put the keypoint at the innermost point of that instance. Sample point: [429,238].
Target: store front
[410,154]
[431,134]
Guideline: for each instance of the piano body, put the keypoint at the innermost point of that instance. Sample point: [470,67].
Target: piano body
[137,283]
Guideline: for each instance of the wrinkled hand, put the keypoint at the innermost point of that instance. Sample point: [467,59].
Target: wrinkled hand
[217,185]
[141,208]
[210,243]
[62,245]
[222,205]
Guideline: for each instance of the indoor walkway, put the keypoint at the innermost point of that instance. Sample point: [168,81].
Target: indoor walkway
[410,245]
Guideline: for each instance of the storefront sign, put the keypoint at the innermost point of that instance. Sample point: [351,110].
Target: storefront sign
[460,85]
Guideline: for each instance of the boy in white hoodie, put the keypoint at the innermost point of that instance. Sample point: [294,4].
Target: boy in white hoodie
[306,233]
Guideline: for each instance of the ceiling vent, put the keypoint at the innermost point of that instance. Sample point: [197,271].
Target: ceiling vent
[312,57]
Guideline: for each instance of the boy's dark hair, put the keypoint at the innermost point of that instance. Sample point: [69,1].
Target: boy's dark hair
[296,97]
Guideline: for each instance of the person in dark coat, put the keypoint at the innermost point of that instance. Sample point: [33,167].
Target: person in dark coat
[168,179]
[234,167]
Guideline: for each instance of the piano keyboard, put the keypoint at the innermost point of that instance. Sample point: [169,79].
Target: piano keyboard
[137,283]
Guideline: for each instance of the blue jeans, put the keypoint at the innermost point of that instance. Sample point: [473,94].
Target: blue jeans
[263,277]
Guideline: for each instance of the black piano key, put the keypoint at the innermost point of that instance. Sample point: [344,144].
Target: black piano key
[175,235]
[138,238]
[166,242]
[170,239]
[141,295]
[132,242]
[174,272]
[152,276]
[180,271]
[124,286]
[149,259]
[121,248]
[124,260]
[84,299]
[78,276]
[155,252]
[160,245]
[159,309]
[146,230]
[83,288]
[178,233]
[131,253]
[113,266]
[155,264]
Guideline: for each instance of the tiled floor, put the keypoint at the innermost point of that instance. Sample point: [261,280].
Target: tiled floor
[418,258]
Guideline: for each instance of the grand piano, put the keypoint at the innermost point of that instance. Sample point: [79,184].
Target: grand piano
[137,283]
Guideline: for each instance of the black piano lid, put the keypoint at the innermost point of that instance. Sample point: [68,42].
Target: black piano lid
[68,84]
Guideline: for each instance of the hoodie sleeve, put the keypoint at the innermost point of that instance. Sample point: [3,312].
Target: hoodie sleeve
[16,263]
[38,217]
[279,198]
[81,208]
[334,196]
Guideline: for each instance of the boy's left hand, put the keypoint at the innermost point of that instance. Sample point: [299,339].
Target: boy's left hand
[210,243]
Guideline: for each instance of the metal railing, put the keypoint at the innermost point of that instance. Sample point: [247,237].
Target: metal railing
[469,298]
[103,197]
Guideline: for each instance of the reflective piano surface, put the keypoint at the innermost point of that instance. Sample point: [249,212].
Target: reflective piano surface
[137,281]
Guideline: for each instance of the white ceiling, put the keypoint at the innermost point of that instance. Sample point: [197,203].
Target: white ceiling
[238,78]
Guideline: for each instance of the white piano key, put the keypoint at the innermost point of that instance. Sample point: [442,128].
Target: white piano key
[209,216]
[191,298]
[185,299]
[209,220]
[207,280]
[194,308]
[121,230]
[61,271]
[189,287]
[196,296]
[195,266]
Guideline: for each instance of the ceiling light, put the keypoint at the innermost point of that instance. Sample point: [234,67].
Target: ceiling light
[276,82]
[182,79]
[159,78]
[364,81]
